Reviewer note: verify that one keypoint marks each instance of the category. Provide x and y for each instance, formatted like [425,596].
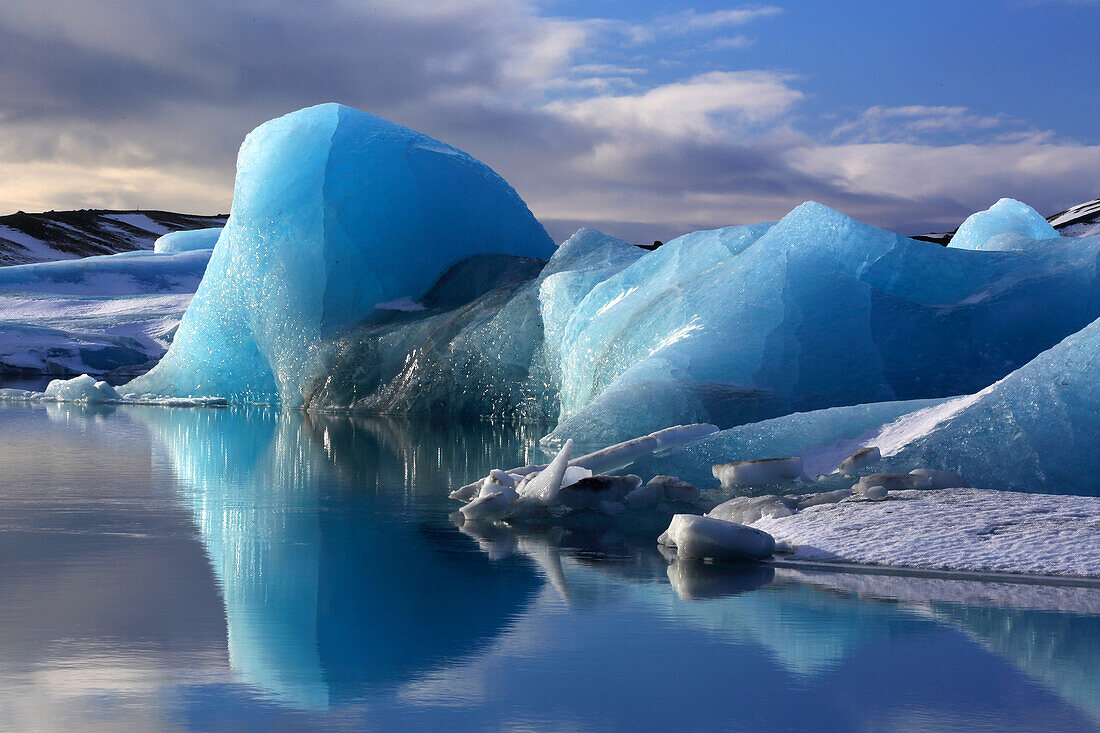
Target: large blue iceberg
[1036,430]
[367,267]
[730,326]
[334,212]
[818,310]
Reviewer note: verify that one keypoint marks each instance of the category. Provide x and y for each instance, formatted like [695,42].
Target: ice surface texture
[1038,429]
[818,310]
[478,347]
[334,210]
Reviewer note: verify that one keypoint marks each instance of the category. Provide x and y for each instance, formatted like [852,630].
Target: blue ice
[334,210]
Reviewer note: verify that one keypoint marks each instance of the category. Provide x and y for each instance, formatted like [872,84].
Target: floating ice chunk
[941,479]
[824,497]
[875,493]
[187,240]
[985,230]
[467,492]
[606,459]
[625,453]
[589,492]
[748,509]
[20,395]
[860,459]
[334,211]
[758,472]
[573,474]
[674,490]
[503,478]
[543,487]
[81,389]
[697,538]
[645,497]
[490,507]
[893,482]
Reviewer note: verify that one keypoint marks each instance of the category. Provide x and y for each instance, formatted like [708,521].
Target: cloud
[695,106]
[919,122]
[691,20]
[125,103]
[1047,174]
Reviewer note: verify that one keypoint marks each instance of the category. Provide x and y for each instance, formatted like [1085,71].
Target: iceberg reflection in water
[250,570]
[331,589]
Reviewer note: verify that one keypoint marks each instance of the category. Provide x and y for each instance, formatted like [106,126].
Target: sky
[643,119]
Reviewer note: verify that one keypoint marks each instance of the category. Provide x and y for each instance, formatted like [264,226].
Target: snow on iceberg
[334,210]
[1007,224]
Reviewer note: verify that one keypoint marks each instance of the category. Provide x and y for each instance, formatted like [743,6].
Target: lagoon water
[246,569]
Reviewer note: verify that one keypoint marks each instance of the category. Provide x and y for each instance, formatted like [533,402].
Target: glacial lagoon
[255,569]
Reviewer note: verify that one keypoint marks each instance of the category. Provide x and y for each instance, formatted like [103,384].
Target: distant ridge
[1080,220]
[64,235]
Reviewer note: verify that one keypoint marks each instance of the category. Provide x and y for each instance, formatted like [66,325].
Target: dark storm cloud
[114,59]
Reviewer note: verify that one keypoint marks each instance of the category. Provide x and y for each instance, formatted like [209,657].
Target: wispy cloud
[918,122]
[691,20]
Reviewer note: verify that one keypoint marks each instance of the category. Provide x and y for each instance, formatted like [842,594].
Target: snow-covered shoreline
[972,530]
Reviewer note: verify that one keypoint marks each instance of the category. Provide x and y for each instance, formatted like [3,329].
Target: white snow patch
[141,221]
[976,530]
[893,437]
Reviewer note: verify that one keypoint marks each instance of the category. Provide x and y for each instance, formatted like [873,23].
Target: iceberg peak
[1002,226]
[334,211]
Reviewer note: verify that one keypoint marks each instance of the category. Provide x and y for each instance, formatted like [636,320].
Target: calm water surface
[235,570]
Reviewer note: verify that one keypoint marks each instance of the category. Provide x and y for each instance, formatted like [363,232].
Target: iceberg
[479,345]
[368,267]
[818,310]
[1006,225]
[697,538]
[1038,429]
[1035,430]
[334,211]
[187,240]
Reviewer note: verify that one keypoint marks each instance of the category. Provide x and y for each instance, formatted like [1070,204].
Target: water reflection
[330,590]
[312,559]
